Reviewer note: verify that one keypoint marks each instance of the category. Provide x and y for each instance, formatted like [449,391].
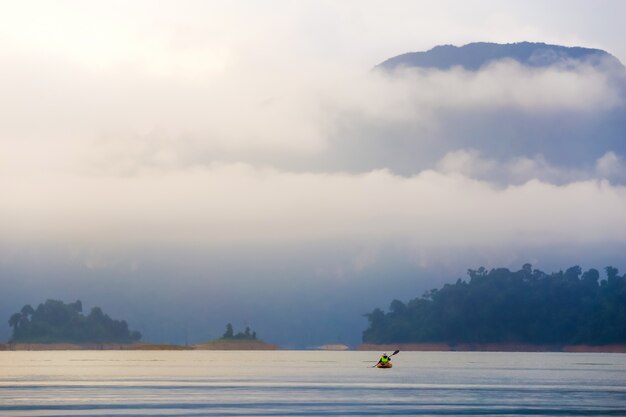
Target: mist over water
[205,383]
[189,164]
[298,297]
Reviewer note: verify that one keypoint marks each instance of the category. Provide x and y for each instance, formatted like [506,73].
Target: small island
[55,325]
[57,322]
[246,340]
[503,310]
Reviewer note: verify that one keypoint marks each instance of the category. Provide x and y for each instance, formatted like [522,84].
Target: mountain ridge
[473,56]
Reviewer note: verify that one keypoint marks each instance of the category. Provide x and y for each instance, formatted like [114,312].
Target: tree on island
[55,322]
[246,335]
[500,306]
[228,334]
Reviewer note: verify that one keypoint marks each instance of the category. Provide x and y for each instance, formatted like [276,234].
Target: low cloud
[611,166]
[473,164]
[62,116]
[577,86]
[241,204]
[257,156]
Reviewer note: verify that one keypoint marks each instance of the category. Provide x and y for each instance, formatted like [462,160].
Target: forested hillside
[54,321]
[501,306]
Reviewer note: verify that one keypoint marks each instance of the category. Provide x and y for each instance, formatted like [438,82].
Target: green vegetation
[500,306]
[57,322]
[230,335]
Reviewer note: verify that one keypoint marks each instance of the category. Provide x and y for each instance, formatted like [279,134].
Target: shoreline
[259,345]
[235,345]
[89,346]
[213,345]
[492,347]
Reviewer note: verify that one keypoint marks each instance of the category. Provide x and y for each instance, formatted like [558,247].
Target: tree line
[54,321]
[501,306]
[230,334]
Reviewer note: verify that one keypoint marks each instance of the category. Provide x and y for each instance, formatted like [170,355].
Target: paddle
[397,351]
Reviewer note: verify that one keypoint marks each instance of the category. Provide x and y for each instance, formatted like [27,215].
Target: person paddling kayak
[385,361]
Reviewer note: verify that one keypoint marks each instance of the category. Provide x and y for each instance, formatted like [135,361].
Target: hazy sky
[230,144]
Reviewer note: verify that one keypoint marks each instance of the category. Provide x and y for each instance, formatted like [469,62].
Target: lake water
[306,383]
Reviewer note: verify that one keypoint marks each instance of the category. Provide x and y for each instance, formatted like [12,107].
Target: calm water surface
[299,383]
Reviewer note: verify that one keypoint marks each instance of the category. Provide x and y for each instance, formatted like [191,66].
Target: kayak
[384,365]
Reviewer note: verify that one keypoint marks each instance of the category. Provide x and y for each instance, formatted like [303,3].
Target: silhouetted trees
[246,335]
[527,306]
[228,334]
[55,321]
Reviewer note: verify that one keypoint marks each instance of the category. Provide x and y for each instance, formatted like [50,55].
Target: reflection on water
[207,383]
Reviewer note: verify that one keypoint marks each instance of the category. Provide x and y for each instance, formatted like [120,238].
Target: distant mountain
[473,56]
